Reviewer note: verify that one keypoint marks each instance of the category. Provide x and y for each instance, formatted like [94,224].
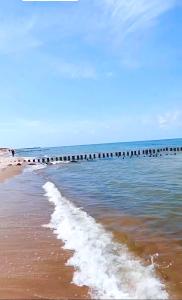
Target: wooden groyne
[152,152]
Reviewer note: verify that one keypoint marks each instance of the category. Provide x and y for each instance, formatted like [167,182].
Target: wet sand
[32,263]
[10,171]
[165,253]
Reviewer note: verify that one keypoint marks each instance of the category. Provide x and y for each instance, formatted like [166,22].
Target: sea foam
[106,267]
[36,167]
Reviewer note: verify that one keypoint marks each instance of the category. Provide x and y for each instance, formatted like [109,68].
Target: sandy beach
[32,263]
[9,171]
[9,166]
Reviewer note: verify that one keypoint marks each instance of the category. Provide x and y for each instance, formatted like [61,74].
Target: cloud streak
[91,20]
[132,15]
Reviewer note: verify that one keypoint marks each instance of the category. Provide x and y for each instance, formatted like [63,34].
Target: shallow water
[137,203]
[138,200]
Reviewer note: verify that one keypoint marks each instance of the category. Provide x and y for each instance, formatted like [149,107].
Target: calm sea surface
[139,200]
[53,151]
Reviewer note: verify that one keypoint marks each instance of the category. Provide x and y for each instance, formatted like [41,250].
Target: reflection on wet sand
[32,263]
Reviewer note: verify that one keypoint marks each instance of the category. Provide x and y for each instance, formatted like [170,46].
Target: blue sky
[90,71]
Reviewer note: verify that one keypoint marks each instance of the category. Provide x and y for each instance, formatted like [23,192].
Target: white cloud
[170,119]
[110,25]
[92,20]
[134,15]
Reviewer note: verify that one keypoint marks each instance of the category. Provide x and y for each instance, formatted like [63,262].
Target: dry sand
[9,166]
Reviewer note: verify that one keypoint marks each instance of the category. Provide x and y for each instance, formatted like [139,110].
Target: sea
[121,218]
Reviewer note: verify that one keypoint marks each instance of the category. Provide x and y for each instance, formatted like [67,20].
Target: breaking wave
[105,266]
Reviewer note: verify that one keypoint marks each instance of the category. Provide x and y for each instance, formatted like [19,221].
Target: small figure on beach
[13,152]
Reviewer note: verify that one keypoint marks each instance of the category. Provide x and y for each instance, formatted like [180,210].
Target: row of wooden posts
[128,153]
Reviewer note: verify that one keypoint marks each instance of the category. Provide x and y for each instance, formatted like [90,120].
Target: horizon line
[102,143]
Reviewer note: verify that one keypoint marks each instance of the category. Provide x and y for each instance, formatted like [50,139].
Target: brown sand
[9,171]
[33,266]
[32,263]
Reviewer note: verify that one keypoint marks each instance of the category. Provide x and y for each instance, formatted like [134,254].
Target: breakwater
[152,152]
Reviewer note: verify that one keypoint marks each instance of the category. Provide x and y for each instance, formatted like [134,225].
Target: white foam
[30,168]
[59,162]
[106,267]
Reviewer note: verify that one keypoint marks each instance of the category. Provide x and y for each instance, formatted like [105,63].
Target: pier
[152,152]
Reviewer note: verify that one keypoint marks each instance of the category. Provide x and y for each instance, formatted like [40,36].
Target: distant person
[13,152]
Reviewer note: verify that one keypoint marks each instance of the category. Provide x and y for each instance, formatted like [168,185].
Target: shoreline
[9,166]
[9,171]
[33,262]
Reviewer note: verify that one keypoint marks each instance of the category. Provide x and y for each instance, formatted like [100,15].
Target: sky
[90,71]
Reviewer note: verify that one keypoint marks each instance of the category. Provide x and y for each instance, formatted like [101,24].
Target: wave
[36,167]
[59,162]
[105,266]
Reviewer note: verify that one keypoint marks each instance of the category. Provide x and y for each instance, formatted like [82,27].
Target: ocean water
[110,147]
[121,218]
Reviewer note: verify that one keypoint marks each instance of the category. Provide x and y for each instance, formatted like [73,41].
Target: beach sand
[9,171]
[9,166]
[32,263]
